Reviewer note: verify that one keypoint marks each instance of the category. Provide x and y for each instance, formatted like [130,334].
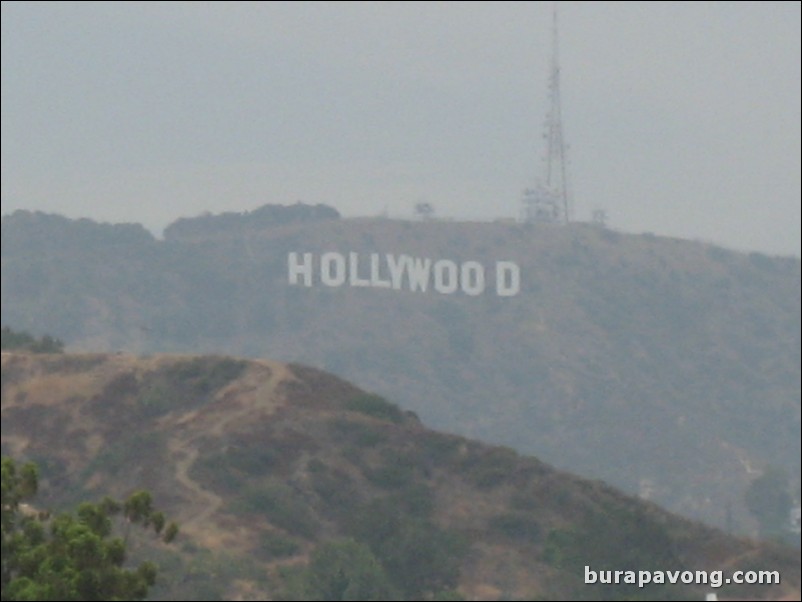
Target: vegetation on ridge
[23,341]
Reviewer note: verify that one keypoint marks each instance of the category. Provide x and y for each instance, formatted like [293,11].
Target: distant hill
[260,462]
[666,367]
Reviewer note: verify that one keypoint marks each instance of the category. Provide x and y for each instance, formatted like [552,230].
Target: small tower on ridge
[549,200]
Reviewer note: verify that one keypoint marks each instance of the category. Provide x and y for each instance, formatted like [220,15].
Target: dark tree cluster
[72,556]
[264,216]
[23,341]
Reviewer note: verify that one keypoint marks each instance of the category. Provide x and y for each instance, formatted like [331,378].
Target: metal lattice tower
[549,200]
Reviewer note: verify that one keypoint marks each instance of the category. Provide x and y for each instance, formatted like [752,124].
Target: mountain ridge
[666,367]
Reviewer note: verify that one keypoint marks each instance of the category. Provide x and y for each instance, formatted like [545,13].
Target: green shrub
[204,375]
[438,448]
[281,506]
[615,539]
[489,468]
[335,488]
[397,470]
[516,527]
[420,558]
[375,407]
[340,569]
[359,433]
[274,545]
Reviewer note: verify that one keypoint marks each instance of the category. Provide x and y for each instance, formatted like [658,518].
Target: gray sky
[682,118]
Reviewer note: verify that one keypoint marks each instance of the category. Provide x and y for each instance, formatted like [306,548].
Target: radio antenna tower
[549,200]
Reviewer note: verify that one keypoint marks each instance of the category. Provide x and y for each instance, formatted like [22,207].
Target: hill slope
[666,367]
[261,461]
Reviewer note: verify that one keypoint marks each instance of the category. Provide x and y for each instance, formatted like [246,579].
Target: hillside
[261,461]
[668,368]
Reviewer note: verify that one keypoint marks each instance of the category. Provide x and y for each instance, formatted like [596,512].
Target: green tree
[71,557]
[341,569]
[420,558]
[768,498]
[611,537]
[11,340]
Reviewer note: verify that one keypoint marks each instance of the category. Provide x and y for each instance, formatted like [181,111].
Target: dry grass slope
[260,461]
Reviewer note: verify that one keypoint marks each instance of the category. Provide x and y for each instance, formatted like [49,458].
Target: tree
[424,211]
[341,569]
[768,498]
[71,557]
[12,340]
[420,558]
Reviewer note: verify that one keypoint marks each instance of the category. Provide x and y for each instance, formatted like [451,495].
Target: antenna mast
[549,200]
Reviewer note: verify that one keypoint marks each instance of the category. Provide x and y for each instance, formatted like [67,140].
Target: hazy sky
[682,118]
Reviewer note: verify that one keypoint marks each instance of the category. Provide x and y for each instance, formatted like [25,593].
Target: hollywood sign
[402,272]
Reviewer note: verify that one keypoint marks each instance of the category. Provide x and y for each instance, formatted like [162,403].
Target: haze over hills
[261,462]
[662,366]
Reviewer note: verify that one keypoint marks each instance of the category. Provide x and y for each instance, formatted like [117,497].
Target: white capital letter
[296,269]
[508,278]
[353,271]
[418,273]
[472,278]
[445,277]
[375,279]
[331,277]
[396,267]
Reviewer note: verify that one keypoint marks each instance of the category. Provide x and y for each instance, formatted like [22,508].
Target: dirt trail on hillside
[186,455]
[249,398]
